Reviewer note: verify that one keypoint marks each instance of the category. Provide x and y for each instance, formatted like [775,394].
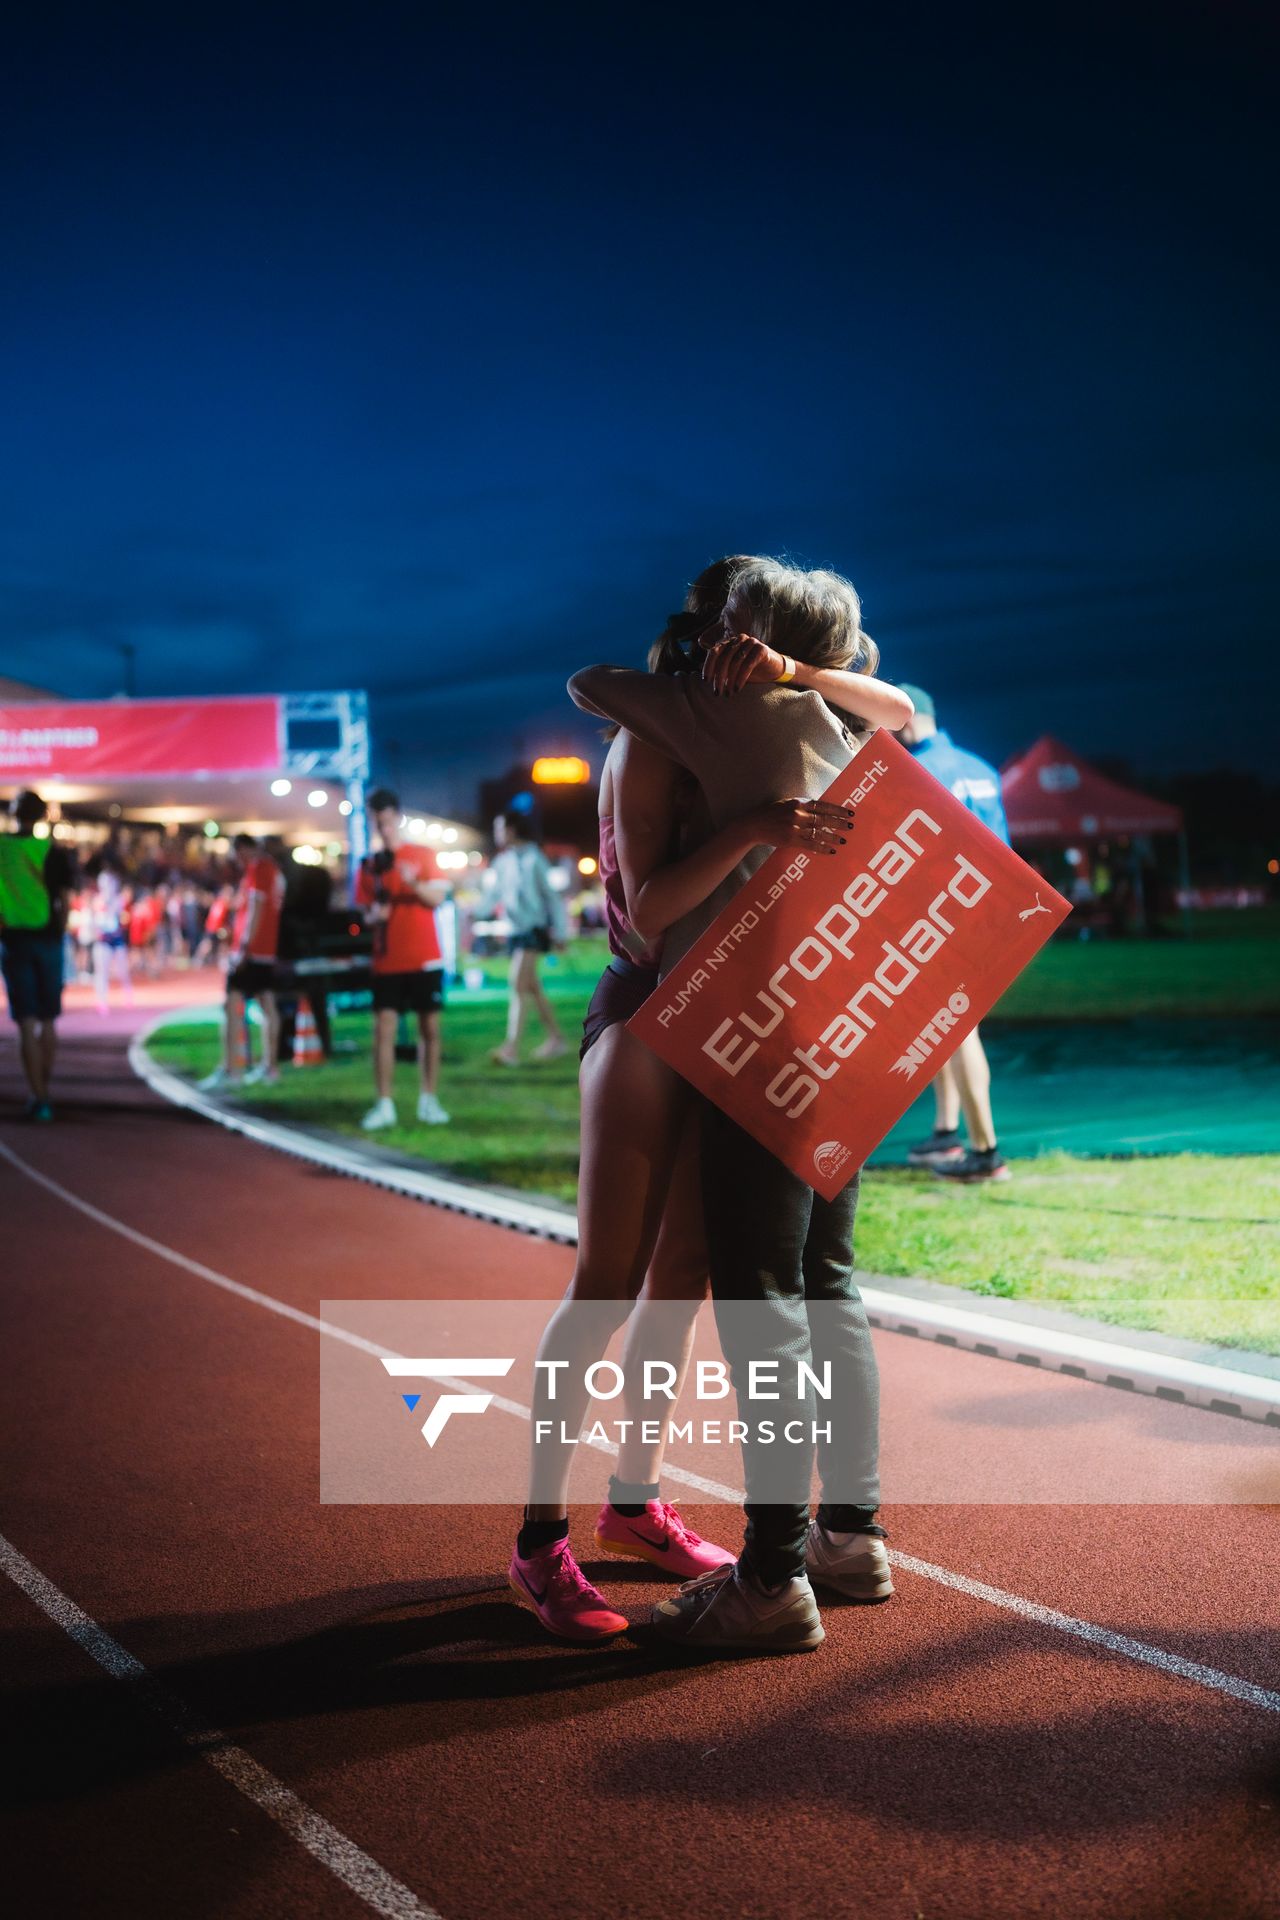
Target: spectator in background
[110,938]
[963,1085]
[215,926]
[399,887]
[190,918]
[80,930]
[141,919]
[520,877]
[35,877]
[251,962]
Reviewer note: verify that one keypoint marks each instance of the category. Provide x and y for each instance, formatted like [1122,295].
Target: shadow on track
[465,1648]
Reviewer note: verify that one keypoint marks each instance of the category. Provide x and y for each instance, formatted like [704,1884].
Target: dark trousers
[781,1261]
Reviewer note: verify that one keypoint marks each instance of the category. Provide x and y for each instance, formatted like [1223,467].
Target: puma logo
[1039,907]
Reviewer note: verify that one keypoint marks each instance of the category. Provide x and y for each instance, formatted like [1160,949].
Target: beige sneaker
[859,1570]
[728,1609]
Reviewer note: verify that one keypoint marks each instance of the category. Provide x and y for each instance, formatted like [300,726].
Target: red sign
[831,990]
[122,739]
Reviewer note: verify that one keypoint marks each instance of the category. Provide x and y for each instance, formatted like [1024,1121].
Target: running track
[397,1737]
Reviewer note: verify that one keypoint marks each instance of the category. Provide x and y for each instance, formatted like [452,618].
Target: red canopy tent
[1054,798]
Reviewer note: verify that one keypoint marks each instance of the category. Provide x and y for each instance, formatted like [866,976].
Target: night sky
[369,346]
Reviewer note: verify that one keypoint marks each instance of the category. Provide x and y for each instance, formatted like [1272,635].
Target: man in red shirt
[399,887]
[251,966]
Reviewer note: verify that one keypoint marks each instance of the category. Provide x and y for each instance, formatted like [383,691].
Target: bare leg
[946,1100]
[972,1074]
[384,1051]
[429,1050]
[270,1031]
[633,1110]
[661,1328]
[234,1055]
[516,992]
[48,1050]
[537,993]
[30,1045]
[102,976]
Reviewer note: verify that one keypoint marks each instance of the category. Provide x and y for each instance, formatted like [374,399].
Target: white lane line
[195,1267]
[1172,1663]
[1118,1643]
[347,1862]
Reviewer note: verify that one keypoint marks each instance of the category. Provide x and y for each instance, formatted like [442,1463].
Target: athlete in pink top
[624,942]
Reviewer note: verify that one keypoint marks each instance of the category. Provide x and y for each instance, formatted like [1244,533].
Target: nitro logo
[931,1035]
[830,1158]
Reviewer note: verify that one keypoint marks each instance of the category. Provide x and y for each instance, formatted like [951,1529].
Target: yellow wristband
[788,671]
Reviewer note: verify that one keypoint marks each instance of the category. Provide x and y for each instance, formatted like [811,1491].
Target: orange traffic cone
[307,1051]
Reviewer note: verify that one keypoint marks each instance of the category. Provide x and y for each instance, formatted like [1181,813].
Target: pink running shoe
[661,1537]
[554,1585]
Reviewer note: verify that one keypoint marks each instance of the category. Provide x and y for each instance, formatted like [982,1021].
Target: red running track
[398,1736]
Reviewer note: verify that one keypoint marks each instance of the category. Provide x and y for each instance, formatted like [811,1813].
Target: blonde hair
[815,617]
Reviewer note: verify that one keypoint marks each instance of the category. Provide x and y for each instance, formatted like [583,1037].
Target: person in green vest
[35,878]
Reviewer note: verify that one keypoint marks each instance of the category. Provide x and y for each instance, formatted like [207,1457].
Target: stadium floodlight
[317,797]
[281,787]
[560,770]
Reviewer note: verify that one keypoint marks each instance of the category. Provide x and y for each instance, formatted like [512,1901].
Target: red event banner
[120,739]
[829,991]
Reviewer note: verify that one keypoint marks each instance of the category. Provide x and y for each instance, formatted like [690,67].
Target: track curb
[1220,1390]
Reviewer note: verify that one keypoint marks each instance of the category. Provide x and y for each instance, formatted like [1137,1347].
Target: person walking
[963,1085]
[521,878]
[399,888]
[35,878]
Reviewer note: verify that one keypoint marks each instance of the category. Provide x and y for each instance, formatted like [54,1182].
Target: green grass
[1187,1245]
[1229,965]
[512,1127]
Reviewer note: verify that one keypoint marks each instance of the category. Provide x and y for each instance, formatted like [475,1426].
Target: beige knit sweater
[744,750]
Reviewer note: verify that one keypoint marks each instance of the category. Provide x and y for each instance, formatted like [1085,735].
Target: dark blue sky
[368,347]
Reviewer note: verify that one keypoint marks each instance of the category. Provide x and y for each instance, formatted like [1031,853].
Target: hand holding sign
[830,990]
